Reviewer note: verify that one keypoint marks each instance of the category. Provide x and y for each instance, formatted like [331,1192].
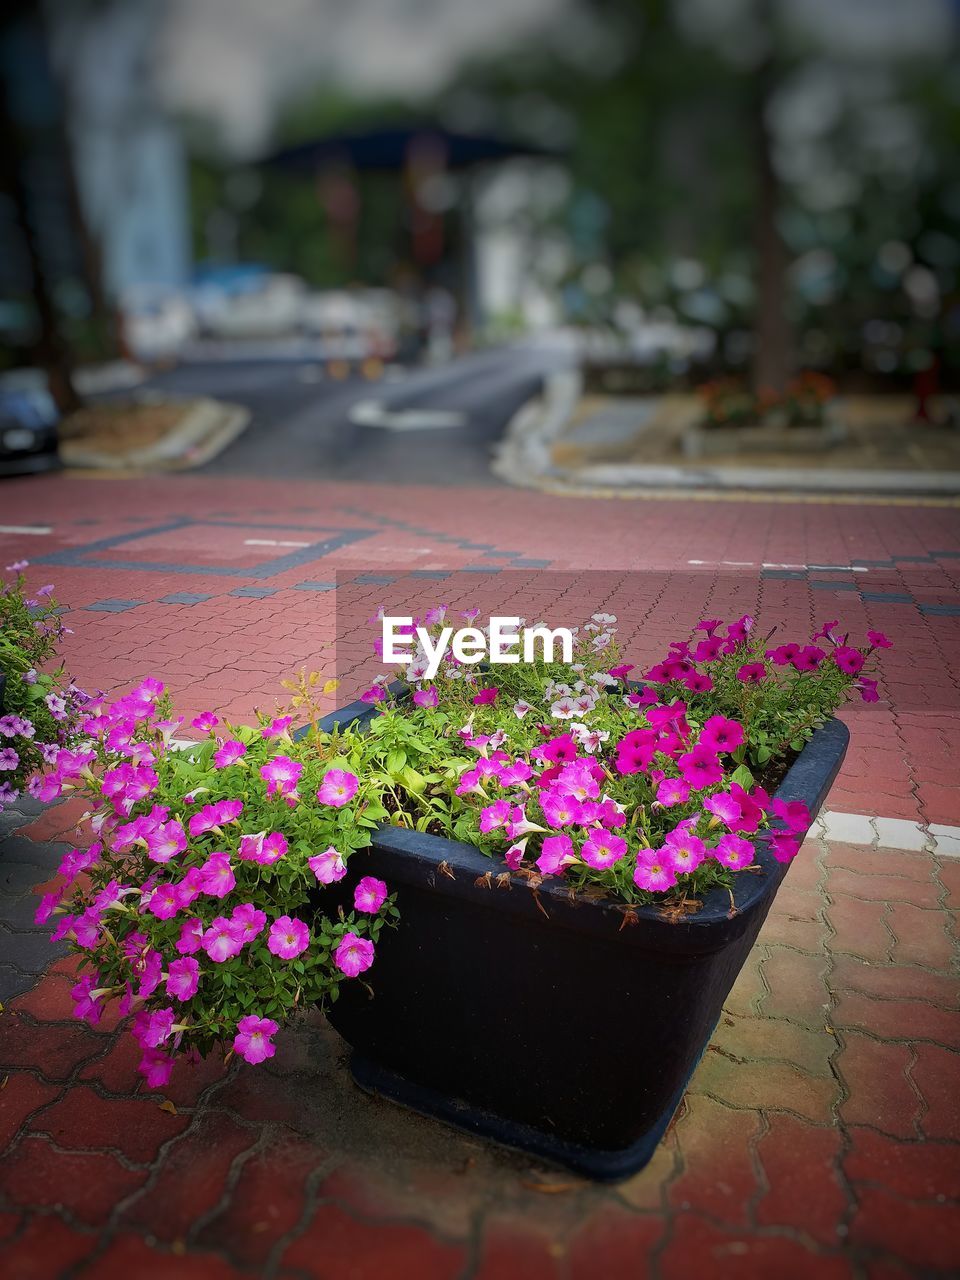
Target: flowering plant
[634,791]
[38,709]
[203,906]
[728,402]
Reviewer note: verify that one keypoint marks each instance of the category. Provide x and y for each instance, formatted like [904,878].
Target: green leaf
[742,777]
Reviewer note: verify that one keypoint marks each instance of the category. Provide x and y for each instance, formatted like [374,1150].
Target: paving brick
[898,1019]
[52,1049]
[87,1184]
[192,1176]
[922,1235]
[131,1256]
[895,981]
[776,1039]
[800,1162]
[698,1247]
[767,1086]
[516,1252]
[133,1126]
[20,1096]
[796,987]
[920,936]
[614,1239]
[885,862]
[267,1201]
[935,1073]
[879,1092]
[46,1247]
[858,928]
[402,1251]
[882,888]
[914,1170]
[718,1177]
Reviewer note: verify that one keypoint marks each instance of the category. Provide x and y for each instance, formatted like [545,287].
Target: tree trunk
[773,339]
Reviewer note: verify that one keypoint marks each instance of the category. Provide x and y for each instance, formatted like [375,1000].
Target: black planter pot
[545,1025]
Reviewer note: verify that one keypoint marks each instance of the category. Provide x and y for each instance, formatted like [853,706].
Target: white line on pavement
[272,542]
[890,833]
[26,528]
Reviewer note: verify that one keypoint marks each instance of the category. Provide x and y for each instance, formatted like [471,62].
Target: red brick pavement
[820,1135]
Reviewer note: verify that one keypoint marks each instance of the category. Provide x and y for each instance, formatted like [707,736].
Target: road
[433,426]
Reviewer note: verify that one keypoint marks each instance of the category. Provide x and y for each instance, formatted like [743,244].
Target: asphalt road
[434,425]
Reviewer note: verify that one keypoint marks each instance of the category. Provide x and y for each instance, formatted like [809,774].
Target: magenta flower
[338,787]
[229,753]
[752,672]
[722,735]
[222,940]
[252,1041]
[486,696]
[635,751]
[868,689]
[673,791]
[494,815]
[353,955]
[216,876]
[734,852]
[557,852]
[602,849]
[85,1007]
[149,966]
[683,850]
[560,810]
[165,902]
[288,937]
[700,767]
[263,848]
[328,866]
[426,697]
[249,921]
[206,720]
[183,978]
[725,807]
[277,727]
[166,841]
[157,1027]
[879,640]
[191,937]
[794,814]
[653,872]
[784,845]
[849,660]
[48,904]
[808,658]
[369,894]
[9,758]
[214,815]
[156,1067]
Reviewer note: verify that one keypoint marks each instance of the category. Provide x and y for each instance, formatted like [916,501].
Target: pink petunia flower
[733,852]
[557,852]
[494,815]
[560,809]
[369,895]
[426,697]
[277,728]
[157,1027]
[216,876]
[288,938]
[166,841]
[222,940]
[249,921]
[328,866]
[48,904]
[191,937]
[683,851]
[868,689]
[602,849]
[183,978]
[338,787]
[722,735]
[229,753]
[725,807]
[808,658]
[206,720]
[879,640]
[486,696]
[784,845]
[156,1067]
[653,871]
[354,955]
[752,672]
[252,1041]
[700,767]
[849,660]
[673,791]
[263,848]
[214,815]
[165,902]
[85,1007]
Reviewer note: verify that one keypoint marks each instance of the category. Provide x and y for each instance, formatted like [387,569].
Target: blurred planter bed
[736,419]
[760,437]
[149,433]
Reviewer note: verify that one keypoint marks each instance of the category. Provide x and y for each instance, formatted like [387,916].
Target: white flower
[563,709]
[521,708]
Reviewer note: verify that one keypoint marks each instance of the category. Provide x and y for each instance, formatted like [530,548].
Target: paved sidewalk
[820,1135]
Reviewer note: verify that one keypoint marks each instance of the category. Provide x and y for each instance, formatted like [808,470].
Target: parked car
[28,431]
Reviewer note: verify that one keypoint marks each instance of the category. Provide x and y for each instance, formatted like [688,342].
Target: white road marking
[272,542]
[372,413]
[890,833]
[772,564]
[38,529]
